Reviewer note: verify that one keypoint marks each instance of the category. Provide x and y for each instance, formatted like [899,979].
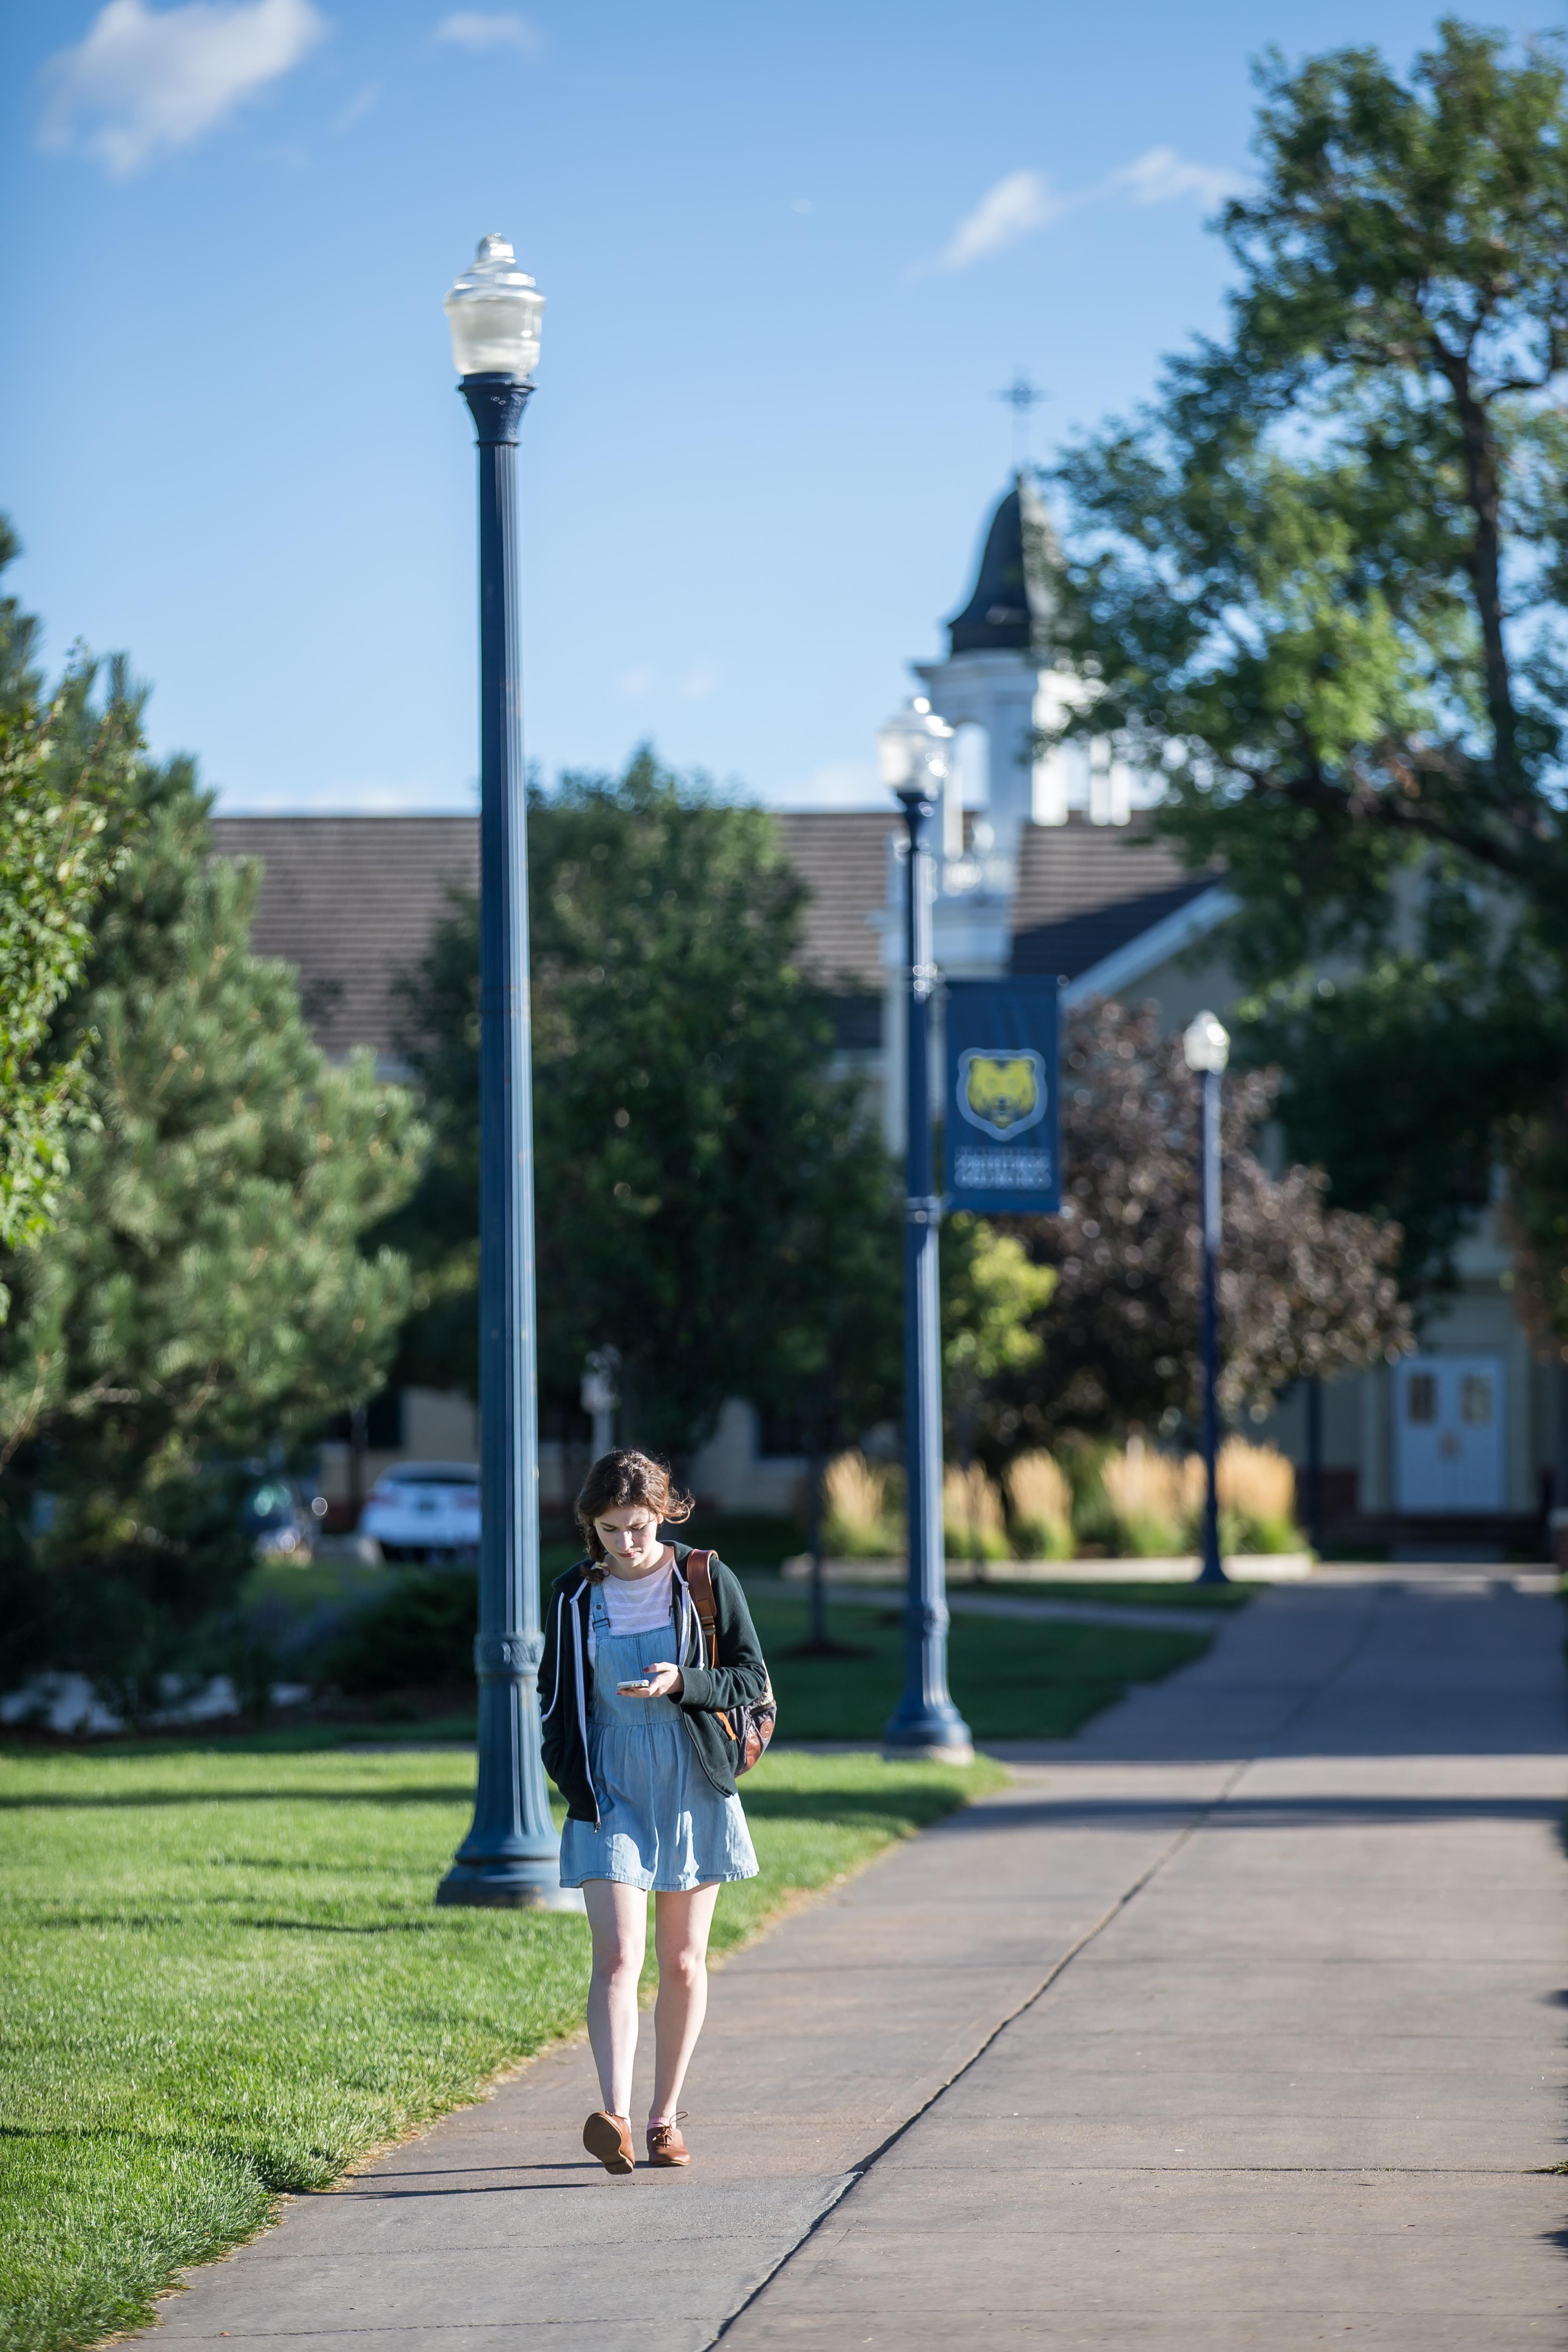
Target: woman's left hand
[662,1681]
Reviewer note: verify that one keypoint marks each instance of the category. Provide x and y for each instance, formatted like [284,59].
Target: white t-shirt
[636,1604]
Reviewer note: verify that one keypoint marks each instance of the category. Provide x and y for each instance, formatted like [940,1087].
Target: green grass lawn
[225,1979]
[1011,1678]
[1232,1594]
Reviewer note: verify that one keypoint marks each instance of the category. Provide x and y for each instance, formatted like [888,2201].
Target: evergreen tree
[204,1297]
[1325,579]
[64,771]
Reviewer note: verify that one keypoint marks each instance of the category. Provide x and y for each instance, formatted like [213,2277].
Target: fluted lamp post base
[936,1735]
[510,1859]
[508,1886]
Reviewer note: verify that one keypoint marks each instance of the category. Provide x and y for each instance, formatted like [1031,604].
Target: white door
[1448,1433]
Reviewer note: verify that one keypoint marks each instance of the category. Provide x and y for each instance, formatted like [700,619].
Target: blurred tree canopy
[1304,1290]
[204,1296]
[1325,581]
[712,1200]
[64,771]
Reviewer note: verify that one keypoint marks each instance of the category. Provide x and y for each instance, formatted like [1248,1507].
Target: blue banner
[999,1109]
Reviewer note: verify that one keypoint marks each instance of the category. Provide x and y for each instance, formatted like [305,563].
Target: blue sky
[790,255]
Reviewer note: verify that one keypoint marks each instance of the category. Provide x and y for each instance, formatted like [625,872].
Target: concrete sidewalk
[1233,2024]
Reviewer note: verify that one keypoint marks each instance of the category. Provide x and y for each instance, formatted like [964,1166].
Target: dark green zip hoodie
[736,1676]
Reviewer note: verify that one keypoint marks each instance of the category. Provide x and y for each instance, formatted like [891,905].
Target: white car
[425,1510]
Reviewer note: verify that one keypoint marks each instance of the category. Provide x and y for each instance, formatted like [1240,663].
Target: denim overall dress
[662,1824]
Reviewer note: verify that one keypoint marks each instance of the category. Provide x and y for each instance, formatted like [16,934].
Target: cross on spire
[1021,397]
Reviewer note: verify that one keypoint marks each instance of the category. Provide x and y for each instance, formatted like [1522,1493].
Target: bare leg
[619,1918]
[680,1938]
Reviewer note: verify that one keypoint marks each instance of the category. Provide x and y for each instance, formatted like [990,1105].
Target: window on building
[1421,1397]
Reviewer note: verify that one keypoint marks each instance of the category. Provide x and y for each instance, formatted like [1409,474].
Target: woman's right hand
[662,1681]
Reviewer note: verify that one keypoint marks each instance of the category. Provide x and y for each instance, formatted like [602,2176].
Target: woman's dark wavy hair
[622,1478]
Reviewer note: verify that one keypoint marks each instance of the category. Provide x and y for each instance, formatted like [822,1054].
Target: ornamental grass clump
[1039,1500]
[972,1524]
[860,1519]
[1147,1492]
[1258,1496]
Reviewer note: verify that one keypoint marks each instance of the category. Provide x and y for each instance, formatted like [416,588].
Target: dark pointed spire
[1011,608]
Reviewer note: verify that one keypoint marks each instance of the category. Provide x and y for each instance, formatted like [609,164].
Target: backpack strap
[700,1584]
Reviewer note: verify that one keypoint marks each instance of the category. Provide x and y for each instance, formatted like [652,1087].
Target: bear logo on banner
[1002,1091]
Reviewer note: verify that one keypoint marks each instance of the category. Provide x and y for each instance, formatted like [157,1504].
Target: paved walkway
[1233,2024]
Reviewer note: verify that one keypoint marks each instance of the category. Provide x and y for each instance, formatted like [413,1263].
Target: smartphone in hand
[636,1690]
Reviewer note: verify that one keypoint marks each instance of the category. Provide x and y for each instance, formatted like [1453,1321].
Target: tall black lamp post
[510,1856]
[1206,1045]
[912,748]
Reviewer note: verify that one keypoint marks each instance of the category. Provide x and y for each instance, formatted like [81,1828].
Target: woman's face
[631,1540]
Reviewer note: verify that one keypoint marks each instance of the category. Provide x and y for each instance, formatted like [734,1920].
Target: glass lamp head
[912,749]
[1205,1042]
[494,311]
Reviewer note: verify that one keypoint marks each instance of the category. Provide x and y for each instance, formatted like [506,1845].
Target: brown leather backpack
[749,1728]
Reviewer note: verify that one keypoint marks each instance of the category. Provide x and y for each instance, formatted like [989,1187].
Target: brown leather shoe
[664,2144]
[609,2138]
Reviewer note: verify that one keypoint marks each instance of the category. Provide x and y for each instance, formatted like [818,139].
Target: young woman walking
[633,1698]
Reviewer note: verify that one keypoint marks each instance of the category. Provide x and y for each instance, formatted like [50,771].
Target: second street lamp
[511,1855]
[912,748]
[1207,1046]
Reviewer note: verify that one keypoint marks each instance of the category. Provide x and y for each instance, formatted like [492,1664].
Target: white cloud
[351,796]
[470,29]
[144,80]
[1024,201]
[1016,206]
[358,106]
[841,784]
[1163,177]
[694,683]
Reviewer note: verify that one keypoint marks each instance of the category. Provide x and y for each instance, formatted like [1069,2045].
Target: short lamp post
[913,752]
[1206,1045]
[510,1856]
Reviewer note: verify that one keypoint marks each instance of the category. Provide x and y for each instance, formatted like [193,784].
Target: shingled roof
[351,901]
[842,855]
[1085,891]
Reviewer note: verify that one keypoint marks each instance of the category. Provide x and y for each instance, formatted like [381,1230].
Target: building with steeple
[1028,824]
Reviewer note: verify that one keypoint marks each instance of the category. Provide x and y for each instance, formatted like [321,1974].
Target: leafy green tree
[203,1296]
[1325,579]
[64,772]
[713,1201]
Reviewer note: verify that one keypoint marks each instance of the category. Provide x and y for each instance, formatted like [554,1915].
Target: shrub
[861,1516]
[1258,1495]
[1040,1501]
[1147,1494]
[973,1525]
[417,1634]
